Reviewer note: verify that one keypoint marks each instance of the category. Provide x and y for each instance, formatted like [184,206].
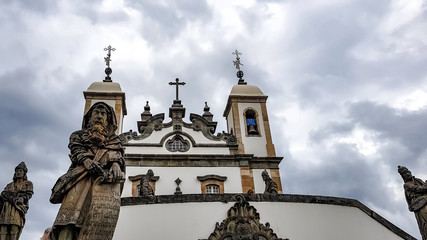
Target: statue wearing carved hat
[14,204]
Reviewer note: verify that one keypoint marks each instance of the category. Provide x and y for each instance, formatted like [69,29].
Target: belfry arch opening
[251,121]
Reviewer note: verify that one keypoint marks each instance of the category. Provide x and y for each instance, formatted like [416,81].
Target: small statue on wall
[416,197]
[270,185]
[14,203]
[145,189]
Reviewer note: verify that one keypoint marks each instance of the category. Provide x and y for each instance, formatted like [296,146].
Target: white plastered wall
[254,144]
[190,185]
[295,221]
[230,122]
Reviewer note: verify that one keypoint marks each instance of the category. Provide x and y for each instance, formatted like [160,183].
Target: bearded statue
[89,192]
[14,204]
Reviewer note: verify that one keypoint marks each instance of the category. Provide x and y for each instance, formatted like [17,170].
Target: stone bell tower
[247,118]
[109,92]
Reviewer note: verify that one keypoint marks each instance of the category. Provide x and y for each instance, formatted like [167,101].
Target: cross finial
[237,62]
[107,60]
[177,83]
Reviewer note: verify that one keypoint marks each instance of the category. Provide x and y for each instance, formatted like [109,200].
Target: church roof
[246,90]
[104,87]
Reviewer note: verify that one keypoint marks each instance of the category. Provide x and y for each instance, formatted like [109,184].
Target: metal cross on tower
[177,83]
[108,58]
[237,62]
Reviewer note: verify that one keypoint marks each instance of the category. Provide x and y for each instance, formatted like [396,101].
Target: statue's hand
[93,167]
[116,172]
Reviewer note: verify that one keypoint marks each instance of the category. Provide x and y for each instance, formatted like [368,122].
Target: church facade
[186,181]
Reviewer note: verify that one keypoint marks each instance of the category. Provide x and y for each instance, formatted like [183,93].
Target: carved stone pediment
[153,123]
[242,223]
[199,123]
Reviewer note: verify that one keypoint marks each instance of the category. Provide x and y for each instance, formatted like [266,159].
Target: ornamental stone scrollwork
[145,128]
[200,123]
[154,123]
[242,223]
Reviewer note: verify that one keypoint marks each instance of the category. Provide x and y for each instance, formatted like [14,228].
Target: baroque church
[186,181]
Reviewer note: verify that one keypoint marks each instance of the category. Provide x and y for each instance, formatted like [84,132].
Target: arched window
[177,144]
[251,122]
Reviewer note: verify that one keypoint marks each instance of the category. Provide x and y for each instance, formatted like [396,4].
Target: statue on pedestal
[416,197]
[90,190]
[270,185]
[145,188]
[14,203]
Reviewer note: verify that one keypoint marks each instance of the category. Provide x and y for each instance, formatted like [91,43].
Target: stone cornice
[202,160]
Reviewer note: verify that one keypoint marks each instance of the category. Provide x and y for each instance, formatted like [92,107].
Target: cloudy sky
[346,80]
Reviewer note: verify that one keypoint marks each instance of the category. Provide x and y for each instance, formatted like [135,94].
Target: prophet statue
[416,197]
[14,204]
[145,188]
[270,185]
[89,192]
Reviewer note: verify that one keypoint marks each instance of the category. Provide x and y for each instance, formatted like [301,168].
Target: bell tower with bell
[247,118]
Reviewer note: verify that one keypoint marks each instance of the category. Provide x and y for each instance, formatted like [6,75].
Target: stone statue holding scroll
[270,185]
[416,197]
[14,202]
[90,190]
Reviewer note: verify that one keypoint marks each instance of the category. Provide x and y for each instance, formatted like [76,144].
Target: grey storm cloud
[331,69]
[406,127]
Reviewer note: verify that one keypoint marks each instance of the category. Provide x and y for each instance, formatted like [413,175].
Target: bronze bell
[252,130]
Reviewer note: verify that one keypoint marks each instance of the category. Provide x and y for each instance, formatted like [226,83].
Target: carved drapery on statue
[90,190]
[14,204]
[242,223]
[416,197]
